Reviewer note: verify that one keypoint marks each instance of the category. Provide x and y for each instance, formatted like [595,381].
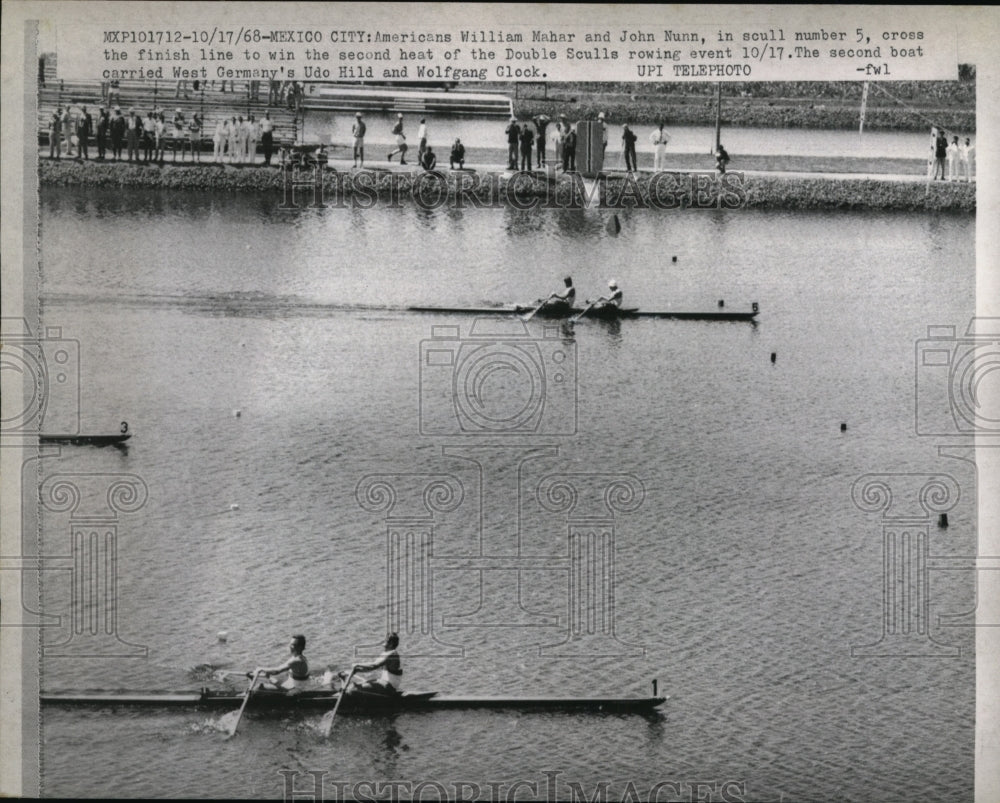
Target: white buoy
[223,636]
[234,506]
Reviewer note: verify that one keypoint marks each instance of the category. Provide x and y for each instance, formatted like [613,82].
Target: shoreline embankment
[666,190]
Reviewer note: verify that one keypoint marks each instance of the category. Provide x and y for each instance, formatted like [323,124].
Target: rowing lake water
[266,365]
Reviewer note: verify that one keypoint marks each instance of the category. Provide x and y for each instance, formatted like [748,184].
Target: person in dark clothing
[117,133]
[721,159]
[527,145]
[84,129]
[628,140]
[457,155]
[541,123]
[940,154]
[569,151]
[428,161]
[103,128]
[513,136]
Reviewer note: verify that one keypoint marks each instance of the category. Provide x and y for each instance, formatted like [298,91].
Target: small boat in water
[601,313]
[89,440]
[354,702]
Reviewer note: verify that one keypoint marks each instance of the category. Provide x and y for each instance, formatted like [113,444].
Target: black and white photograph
[502,402]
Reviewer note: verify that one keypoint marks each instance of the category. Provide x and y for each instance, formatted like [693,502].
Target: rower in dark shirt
[562,299]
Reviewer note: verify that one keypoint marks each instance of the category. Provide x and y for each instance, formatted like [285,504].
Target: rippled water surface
[266,365]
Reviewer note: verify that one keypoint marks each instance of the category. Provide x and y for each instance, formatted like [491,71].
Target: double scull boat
[601,313]
[355,702]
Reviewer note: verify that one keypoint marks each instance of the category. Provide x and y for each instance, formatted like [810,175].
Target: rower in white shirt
[389,667]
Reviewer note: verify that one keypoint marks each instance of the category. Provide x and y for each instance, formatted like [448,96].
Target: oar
[327,726]
[586,309]
[222,675]
[531,314]
[246,699]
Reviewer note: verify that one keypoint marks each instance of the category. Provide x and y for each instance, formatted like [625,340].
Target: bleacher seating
[209,101]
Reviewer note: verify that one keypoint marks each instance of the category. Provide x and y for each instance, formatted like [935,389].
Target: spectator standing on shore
[358,131]
[628,141]
[117,133]
[160,132]
[273,93]
[569,150]
[457,155]
[952,157]
[149,137]
[218,139]
[428,161]
[966,153]
[558,136]
[67,124]
[194,137]
[55,134]
[940,155]
[84,128]
[527,145]
[931,157]
[133,131]
[397,132]
[179,132]
[243,146]
[513,132]
[267,137]
[604,132]
[253,134]
[659,138]
[541,122]
[232,143]
[721,159]
[103,128]
[421,140]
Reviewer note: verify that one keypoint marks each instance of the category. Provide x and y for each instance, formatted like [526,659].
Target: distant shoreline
[904,106]
[752,190]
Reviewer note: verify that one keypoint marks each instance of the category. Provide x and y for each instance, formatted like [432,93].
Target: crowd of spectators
[146,139]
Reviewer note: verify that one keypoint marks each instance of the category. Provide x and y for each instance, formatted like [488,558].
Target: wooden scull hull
[356,702]
[84,440]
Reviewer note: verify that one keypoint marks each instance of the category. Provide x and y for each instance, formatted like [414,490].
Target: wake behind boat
[600,313]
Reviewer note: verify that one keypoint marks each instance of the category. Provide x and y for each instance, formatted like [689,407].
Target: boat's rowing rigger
[355,702]
[603,313]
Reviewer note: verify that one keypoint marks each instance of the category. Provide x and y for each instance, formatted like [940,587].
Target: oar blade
[326,725]
[231,732]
